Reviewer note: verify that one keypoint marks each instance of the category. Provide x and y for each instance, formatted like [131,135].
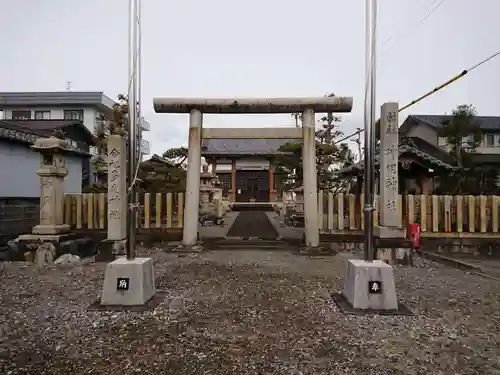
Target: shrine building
[244,167]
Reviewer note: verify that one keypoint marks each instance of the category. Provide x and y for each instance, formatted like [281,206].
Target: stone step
[264,245]
[261,206]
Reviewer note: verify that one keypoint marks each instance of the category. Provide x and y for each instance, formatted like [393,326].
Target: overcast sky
[226,48]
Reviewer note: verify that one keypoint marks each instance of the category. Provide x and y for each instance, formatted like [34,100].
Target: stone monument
[396,250]
[52,232]
[390,226]
[116,240]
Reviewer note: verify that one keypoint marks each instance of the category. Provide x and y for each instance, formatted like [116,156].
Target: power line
[433,91]
[391,37]
[420,23]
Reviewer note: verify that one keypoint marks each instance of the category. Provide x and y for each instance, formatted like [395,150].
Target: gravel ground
[247,312]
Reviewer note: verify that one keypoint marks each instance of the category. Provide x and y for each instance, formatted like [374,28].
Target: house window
[21,115]
[73,114]
[42,115]
[490,140]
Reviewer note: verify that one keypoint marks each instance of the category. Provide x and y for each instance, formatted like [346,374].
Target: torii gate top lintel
[253,105]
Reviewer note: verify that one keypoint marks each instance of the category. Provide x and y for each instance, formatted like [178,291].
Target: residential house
[90,107]
[426,127]
[20,184]
[19,162]
[423,154]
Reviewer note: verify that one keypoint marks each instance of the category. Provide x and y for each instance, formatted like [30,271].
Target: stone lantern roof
[52,145]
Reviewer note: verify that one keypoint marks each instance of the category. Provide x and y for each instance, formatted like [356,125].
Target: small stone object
[28,256]
[45,254]
[67,259]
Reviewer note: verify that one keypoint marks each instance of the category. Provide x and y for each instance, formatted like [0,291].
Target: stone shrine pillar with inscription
[389,224]
[52,172]
[116,240]
[117,188]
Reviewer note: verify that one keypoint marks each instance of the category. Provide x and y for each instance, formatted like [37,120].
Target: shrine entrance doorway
[252,186]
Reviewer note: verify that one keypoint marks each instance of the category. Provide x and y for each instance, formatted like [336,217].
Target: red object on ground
[413,234]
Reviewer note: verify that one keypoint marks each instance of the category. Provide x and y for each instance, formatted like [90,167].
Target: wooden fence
[156,211]
[434,213]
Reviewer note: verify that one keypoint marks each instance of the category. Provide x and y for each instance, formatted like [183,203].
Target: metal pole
[139,81]
[132,121]
[369,152]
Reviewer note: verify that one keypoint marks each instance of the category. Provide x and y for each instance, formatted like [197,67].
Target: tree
[177,155]
[158,175]
[117,123]
[155,175]
[330,158]
[463,135]
[461,131]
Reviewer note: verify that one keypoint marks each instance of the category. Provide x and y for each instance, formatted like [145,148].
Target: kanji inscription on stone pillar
[389,182]
[117,188]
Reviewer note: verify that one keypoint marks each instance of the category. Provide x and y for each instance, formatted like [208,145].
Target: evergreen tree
[330,157]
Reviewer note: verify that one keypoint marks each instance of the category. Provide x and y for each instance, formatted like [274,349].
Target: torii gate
[197,106]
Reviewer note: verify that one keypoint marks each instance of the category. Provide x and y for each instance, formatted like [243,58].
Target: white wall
[252,164]
[89,114]
[19,163]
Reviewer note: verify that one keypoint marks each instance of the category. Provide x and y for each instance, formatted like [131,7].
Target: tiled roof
[415,146]
[491,123]
[40,127]
[158,159]
[243,146]
[28,131]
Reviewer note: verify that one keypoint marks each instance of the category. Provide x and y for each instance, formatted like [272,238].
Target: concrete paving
[253,224]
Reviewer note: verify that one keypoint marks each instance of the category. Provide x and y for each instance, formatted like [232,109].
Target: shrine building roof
[416,147]
[246,147]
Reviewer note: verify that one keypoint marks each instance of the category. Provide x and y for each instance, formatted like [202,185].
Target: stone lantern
[217,188]
[299,199]
[52,172]
[205,189]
